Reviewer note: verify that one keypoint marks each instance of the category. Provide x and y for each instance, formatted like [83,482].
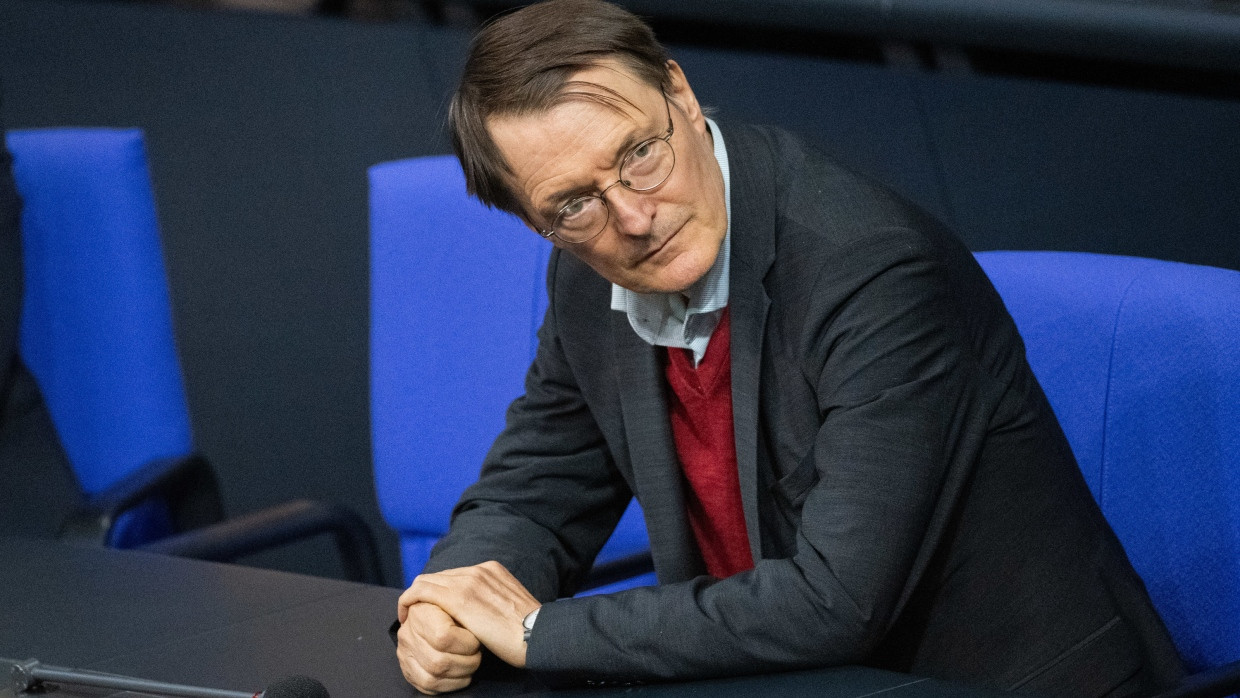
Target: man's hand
[485,600]
[436,655]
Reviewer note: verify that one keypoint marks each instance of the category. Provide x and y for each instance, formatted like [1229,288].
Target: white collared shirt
[685,320]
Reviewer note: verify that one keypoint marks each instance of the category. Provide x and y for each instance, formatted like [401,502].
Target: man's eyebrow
[557,199]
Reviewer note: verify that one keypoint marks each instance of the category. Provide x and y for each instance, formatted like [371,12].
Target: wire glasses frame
[646,166]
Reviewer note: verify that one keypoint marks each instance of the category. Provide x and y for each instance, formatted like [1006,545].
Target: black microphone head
[296,687]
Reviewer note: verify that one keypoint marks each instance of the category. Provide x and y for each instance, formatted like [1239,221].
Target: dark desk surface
[240,628]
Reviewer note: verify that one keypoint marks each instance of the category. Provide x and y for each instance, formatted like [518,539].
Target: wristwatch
[528,623]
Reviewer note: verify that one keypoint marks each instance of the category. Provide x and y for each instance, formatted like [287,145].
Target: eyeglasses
[646,166]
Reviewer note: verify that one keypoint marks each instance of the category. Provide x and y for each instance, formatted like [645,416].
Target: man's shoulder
[800,170]
[782,175]
[749,143]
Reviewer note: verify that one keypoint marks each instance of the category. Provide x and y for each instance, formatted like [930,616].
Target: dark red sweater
[701,415]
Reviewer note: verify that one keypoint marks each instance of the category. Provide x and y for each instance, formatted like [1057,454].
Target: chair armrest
[1212,683]
[186,483]
[283,523]
[617,570]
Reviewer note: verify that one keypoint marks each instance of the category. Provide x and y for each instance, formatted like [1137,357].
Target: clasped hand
[447,617]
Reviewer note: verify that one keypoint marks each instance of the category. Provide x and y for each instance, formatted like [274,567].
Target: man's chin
[672,278]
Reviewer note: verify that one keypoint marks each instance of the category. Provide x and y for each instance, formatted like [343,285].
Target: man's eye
[640,151]
[573,208]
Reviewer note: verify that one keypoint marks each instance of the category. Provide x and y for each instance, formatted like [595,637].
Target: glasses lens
[581,219]
[648,165]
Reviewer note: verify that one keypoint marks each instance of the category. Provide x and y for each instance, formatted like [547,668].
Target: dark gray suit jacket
[910,499]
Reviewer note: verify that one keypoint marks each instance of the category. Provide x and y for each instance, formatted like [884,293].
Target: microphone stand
[30,674]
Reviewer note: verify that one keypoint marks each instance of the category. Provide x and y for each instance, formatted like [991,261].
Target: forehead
[578,142]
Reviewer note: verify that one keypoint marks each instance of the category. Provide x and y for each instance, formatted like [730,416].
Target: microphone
[30,675]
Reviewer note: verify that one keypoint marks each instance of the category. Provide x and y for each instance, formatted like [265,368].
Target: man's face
[662,240]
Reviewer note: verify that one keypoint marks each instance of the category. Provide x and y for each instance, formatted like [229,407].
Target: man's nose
[632,213]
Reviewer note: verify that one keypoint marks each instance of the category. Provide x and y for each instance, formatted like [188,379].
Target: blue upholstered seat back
[458,292]
[96,329]
[1141,360]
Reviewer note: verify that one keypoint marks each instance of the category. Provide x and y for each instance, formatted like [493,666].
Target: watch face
[527,623]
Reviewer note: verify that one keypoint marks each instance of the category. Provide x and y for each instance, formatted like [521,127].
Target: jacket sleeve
[901,404]
[549,494]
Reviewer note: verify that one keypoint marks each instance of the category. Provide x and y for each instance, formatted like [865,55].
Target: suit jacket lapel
[753,252]
[656,469]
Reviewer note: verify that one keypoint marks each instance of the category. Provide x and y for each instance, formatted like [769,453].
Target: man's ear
[682,96]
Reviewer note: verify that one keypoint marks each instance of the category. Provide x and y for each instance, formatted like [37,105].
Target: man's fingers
[453,640]
[407,599]
[457,591]
[431,626]
[418,591]
[431,685]
[427,663]
[452,666]
[434,665]
[436,656]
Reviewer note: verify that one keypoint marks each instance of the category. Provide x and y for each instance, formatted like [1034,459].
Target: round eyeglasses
[646,166]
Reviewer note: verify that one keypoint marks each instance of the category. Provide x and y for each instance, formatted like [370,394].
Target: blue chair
[1140,359]
[457,294]
[96,334]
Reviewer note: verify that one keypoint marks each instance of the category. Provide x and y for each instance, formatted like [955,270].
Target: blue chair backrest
[457,293]
[96,328]
[1140,359]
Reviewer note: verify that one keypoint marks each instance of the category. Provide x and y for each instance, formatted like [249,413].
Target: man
[809,385]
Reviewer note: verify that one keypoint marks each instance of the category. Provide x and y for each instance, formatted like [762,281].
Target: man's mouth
[660,247]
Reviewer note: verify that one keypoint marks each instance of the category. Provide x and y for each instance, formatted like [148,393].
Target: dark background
[260,129]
